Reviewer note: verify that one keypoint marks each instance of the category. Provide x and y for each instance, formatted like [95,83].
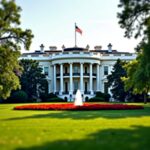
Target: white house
[75,68]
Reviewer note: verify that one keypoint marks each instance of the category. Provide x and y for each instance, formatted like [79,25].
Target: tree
[11,39]
[33,81]
[135,19]
[115,82]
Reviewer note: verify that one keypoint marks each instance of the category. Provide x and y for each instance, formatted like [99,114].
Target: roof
[74,49]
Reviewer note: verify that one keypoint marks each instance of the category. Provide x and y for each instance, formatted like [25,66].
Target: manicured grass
[74,130]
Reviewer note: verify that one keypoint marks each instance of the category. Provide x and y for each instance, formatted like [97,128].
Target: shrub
[47,97]
[100,97]
[19,96]
[66,99]
[32,100]
[86,98]
[107,97]
[99,94]
[56,99]
[97,99]
[51,95]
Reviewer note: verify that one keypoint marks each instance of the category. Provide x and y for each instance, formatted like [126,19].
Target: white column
[49,87]
[101,77]
[54,78]
[97,79]
[61,79]
[81,78]
[71,80]
[91,79]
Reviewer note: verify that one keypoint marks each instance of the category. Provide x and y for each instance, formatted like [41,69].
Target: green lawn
[74,130]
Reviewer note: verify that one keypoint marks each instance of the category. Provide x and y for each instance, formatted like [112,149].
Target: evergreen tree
[33,81]
[115,81]
[11,39]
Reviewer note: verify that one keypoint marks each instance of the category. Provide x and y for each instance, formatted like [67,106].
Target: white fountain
[78,99]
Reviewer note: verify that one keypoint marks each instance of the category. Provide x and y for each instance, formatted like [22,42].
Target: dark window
[46,71]
[75,85]
[105,87]
[85,86]
[85,69]
[76,69]
[105,70]
[66,70]
[66,87]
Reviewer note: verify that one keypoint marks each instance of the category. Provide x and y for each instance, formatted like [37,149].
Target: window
[66,70]
[76,69]
[105,87]
[86,87]
[46,71]
[75,85]
[86,70]
[105,70]
[66,87]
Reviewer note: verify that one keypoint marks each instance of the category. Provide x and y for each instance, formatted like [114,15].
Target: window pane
[76,69]
[75,85]
[105,70]
[46,71]
[105,87]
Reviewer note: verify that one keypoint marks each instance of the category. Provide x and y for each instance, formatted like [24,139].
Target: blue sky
[52,23]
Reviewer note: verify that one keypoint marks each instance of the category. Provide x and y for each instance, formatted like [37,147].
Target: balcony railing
[57,74]
[66,92]
[86,92]
[66,74]
[86,74]
[76,74]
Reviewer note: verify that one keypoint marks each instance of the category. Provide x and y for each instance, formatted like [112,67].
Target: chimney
[41,47]
[87,47]
[98,47]
[63,47]
[109,48]
[53,48]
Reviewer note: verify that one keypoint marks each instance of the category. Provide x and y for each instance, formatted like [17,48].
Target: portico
[70,76]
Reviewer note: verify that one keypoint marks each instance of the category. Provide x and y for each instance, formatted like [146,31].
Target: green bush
[55,99]
[100,97]
[99,94]
[32,100]
[107,97]
[96,99]
[19,97]
[47,97]
[51,98]
[51,95]
[86,98]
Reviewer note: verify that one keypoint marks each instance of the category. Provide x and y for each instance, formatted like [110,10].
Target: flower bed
[70,106]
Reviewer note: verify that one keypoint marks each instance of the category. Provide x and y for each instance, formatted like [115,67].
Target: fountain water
[78,99]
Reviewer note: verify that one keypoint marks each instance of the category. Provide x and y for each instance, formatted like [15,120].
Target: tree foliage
[115,82]
[12,36]
[33,81]
[135,19]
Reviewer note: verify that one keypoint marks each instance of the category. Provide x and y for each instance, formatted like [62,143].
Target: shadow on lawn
[125,139]
[108,114]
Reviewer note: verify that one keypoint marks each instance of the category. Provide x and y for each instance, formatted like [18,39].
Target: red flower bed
[70,106]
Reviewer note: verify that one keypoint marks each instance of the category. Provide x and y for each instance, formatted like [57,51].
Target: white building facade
[70,69]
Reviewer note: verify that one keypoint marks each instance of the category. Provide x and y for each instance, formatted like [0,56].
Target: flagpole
[75,36]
